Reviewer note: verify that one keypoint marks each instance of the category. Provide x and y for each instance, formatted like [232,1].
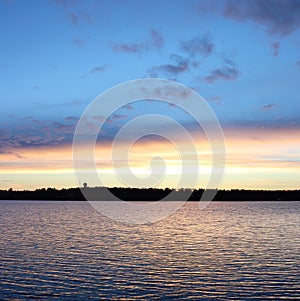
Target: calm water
[228,251]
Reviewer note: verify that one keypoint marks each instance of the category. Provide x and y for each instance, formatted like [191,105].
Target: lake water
[228,251]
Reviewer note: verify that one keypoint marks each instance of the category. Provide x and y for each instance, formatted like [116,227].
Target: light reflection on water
[228,251]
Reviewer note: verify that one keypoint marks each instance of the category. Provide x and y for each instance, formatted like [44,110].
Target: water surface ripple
[228,251]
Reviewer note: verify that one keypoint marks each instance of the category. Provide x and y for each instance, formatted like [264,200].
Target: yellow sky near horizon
[255,159]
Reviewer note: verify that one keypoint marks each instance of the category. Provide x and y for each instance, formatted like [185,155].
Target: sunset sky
[242,57]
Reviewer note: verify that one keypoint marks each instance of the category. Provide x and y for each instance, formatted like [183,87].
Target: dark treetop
[149,194]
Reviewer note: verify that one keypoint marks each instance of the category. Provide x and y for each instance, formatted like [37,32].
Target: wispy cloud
[64,3]
[276,16]
[225,73]
[157,40]
[165,91]
[75,102]
[179,65]
[130,47]
[198,46]
[99,69]
[13,153]
[154,42]
[194,52]
[28,132]
[78,42]
[215,99]
[117,117]
[298,64]
[128,107]
[73,18]
[275,47]
[269,106]
[71,118]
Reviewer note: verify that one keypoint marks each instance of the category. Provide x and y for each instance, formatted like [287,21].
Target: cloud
[63,128]
[130,48]
[157,40]
[30,119]
[80,17]
[73,18]
[225,73]
[279,17]
[180,65]
[298,64]
[75,102]
[118,117]
[62,2]
[15,154]
[128,107]
[203,46]
[172,105]
[154,42]
[78,42]
[165,91]
[98,118]
[112,120]
[85,17]
[98,69]
[28,132]
[71,118]
[275,46]
[269,106]
[215,99]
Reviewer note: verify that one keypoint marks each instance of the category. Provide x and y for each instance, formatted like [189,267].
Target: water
[228,251]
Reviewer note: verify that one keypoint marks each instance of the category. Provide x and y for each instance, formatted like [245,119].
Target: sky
[242,57]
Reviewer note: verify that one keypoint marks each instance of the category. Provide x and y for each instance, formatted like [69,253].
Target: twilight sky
[243,57]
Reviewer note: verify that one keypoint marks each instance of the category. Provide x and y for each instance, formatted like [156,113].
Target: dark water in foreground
[228,251]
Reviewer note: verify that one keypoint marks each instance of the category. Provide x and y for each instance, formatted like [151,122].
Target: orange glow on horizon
[255,159]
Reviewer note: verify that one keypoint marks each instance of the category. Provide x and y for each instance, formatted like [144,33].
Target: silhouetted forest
[149,194]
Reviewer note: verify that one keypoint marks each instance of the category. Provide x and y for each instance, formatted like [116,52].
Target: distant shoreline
[150,194]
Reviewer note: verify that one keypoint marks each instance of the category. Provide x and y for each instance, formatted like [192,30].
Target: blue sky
[243,57]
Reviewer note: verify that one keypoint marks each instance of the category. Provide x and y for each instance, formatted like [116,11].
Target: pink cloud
[154,42]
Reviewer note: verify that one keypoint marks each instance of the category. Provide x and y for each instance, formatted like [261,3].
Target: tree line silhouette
[149,194]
